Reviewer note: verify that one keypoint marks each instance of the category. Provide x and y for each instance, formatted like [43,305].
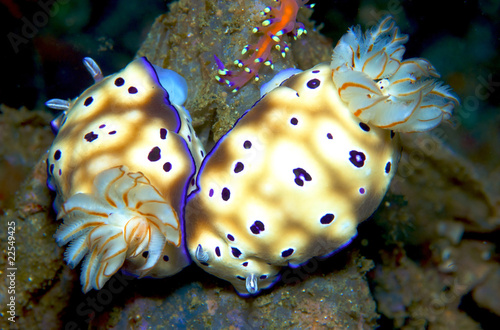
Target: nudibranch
[382,89]
[302,168]
[280,21]
[122,163]
[290,181]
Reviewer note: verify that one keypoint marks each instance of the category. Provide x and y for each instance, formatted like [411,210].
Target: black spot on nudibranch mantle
[388,167]
[57,154]
[132,90]
[300,176]
[167,167]
[165,258]
[154,154]
[217,251]
[327,219]
[236,252]
[163,133]
[357,158]
[119,82]
[230,237]
[247,144]
[364,127]
[287,253]
[313,83]
[257,227]
[238,167]
[91,136]
[225,194]
[145,254]
[294,121]
[88,101]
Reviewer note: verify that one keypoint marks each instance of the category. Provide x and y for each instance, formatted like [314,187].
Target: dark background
[48,64]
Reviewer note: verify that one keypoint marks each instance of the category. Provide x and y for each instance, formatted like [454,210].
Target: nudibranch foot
[381,88]
[281,20]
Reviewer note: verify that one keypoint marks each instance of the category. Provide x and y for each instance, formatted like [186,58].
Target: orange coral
[281,20]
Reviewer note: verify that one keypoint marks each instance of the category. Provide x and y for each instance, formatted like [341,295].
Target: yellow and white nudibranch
[381,89]
[122,163]
[310,160]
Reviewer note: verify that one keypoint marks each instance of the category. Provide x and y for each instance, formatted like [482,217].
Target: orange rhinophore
[281,20]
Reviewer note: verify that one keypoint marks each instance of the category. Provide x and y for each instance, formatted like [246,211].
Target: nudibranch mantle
[289,182]
[382,89]
[123,160]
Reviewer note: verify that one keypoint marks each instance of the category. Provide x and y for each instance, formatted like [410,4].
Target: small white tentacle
[251,284]
[201,255]
[58,104]
[93,69]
